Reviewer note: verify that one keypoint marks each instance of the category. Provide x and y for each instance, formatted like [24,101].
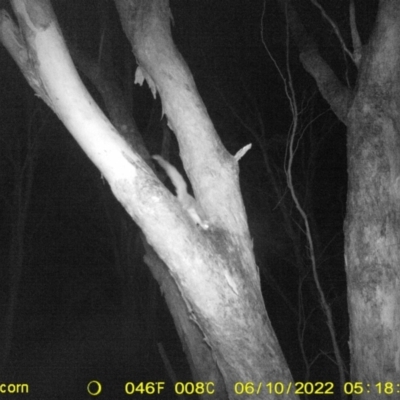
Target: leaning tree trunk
[214,268]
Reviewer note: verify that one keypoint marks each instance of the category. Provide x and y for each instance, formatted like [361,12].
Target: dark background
[87,306]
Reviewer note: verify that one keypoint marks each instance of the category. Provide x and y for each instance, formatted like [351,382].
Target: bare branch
[334,92]
[291,152]
[355,37]
[335,29]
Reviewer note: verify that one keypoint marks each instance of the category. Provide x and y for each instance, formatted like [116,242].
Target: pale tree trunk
[199,356]
[213,269]
[372,234]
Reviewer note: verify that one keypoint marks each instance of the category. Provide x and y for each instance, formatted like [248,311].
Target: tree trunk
[214,269]
[372,235]
[373,214]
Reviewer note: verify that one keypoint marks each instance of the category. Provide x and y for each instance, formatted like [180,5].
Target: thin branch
[335,29]
[291,151]
[331,88]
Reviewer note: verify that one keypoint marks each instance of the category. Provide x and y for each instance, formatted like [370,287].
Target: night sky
[86,305]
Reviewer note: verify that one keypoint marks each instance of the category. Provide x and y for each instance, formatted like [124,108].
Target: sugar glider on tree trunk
[187,201]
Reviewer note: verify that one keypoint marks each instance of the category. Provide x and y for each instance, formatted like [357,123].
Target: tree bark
[214,269]
[373,215]
[372,234]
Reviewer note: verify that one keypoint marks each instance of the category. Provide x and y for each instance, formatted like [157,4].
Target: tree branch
[335,29]
[355,37]
[334,92]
